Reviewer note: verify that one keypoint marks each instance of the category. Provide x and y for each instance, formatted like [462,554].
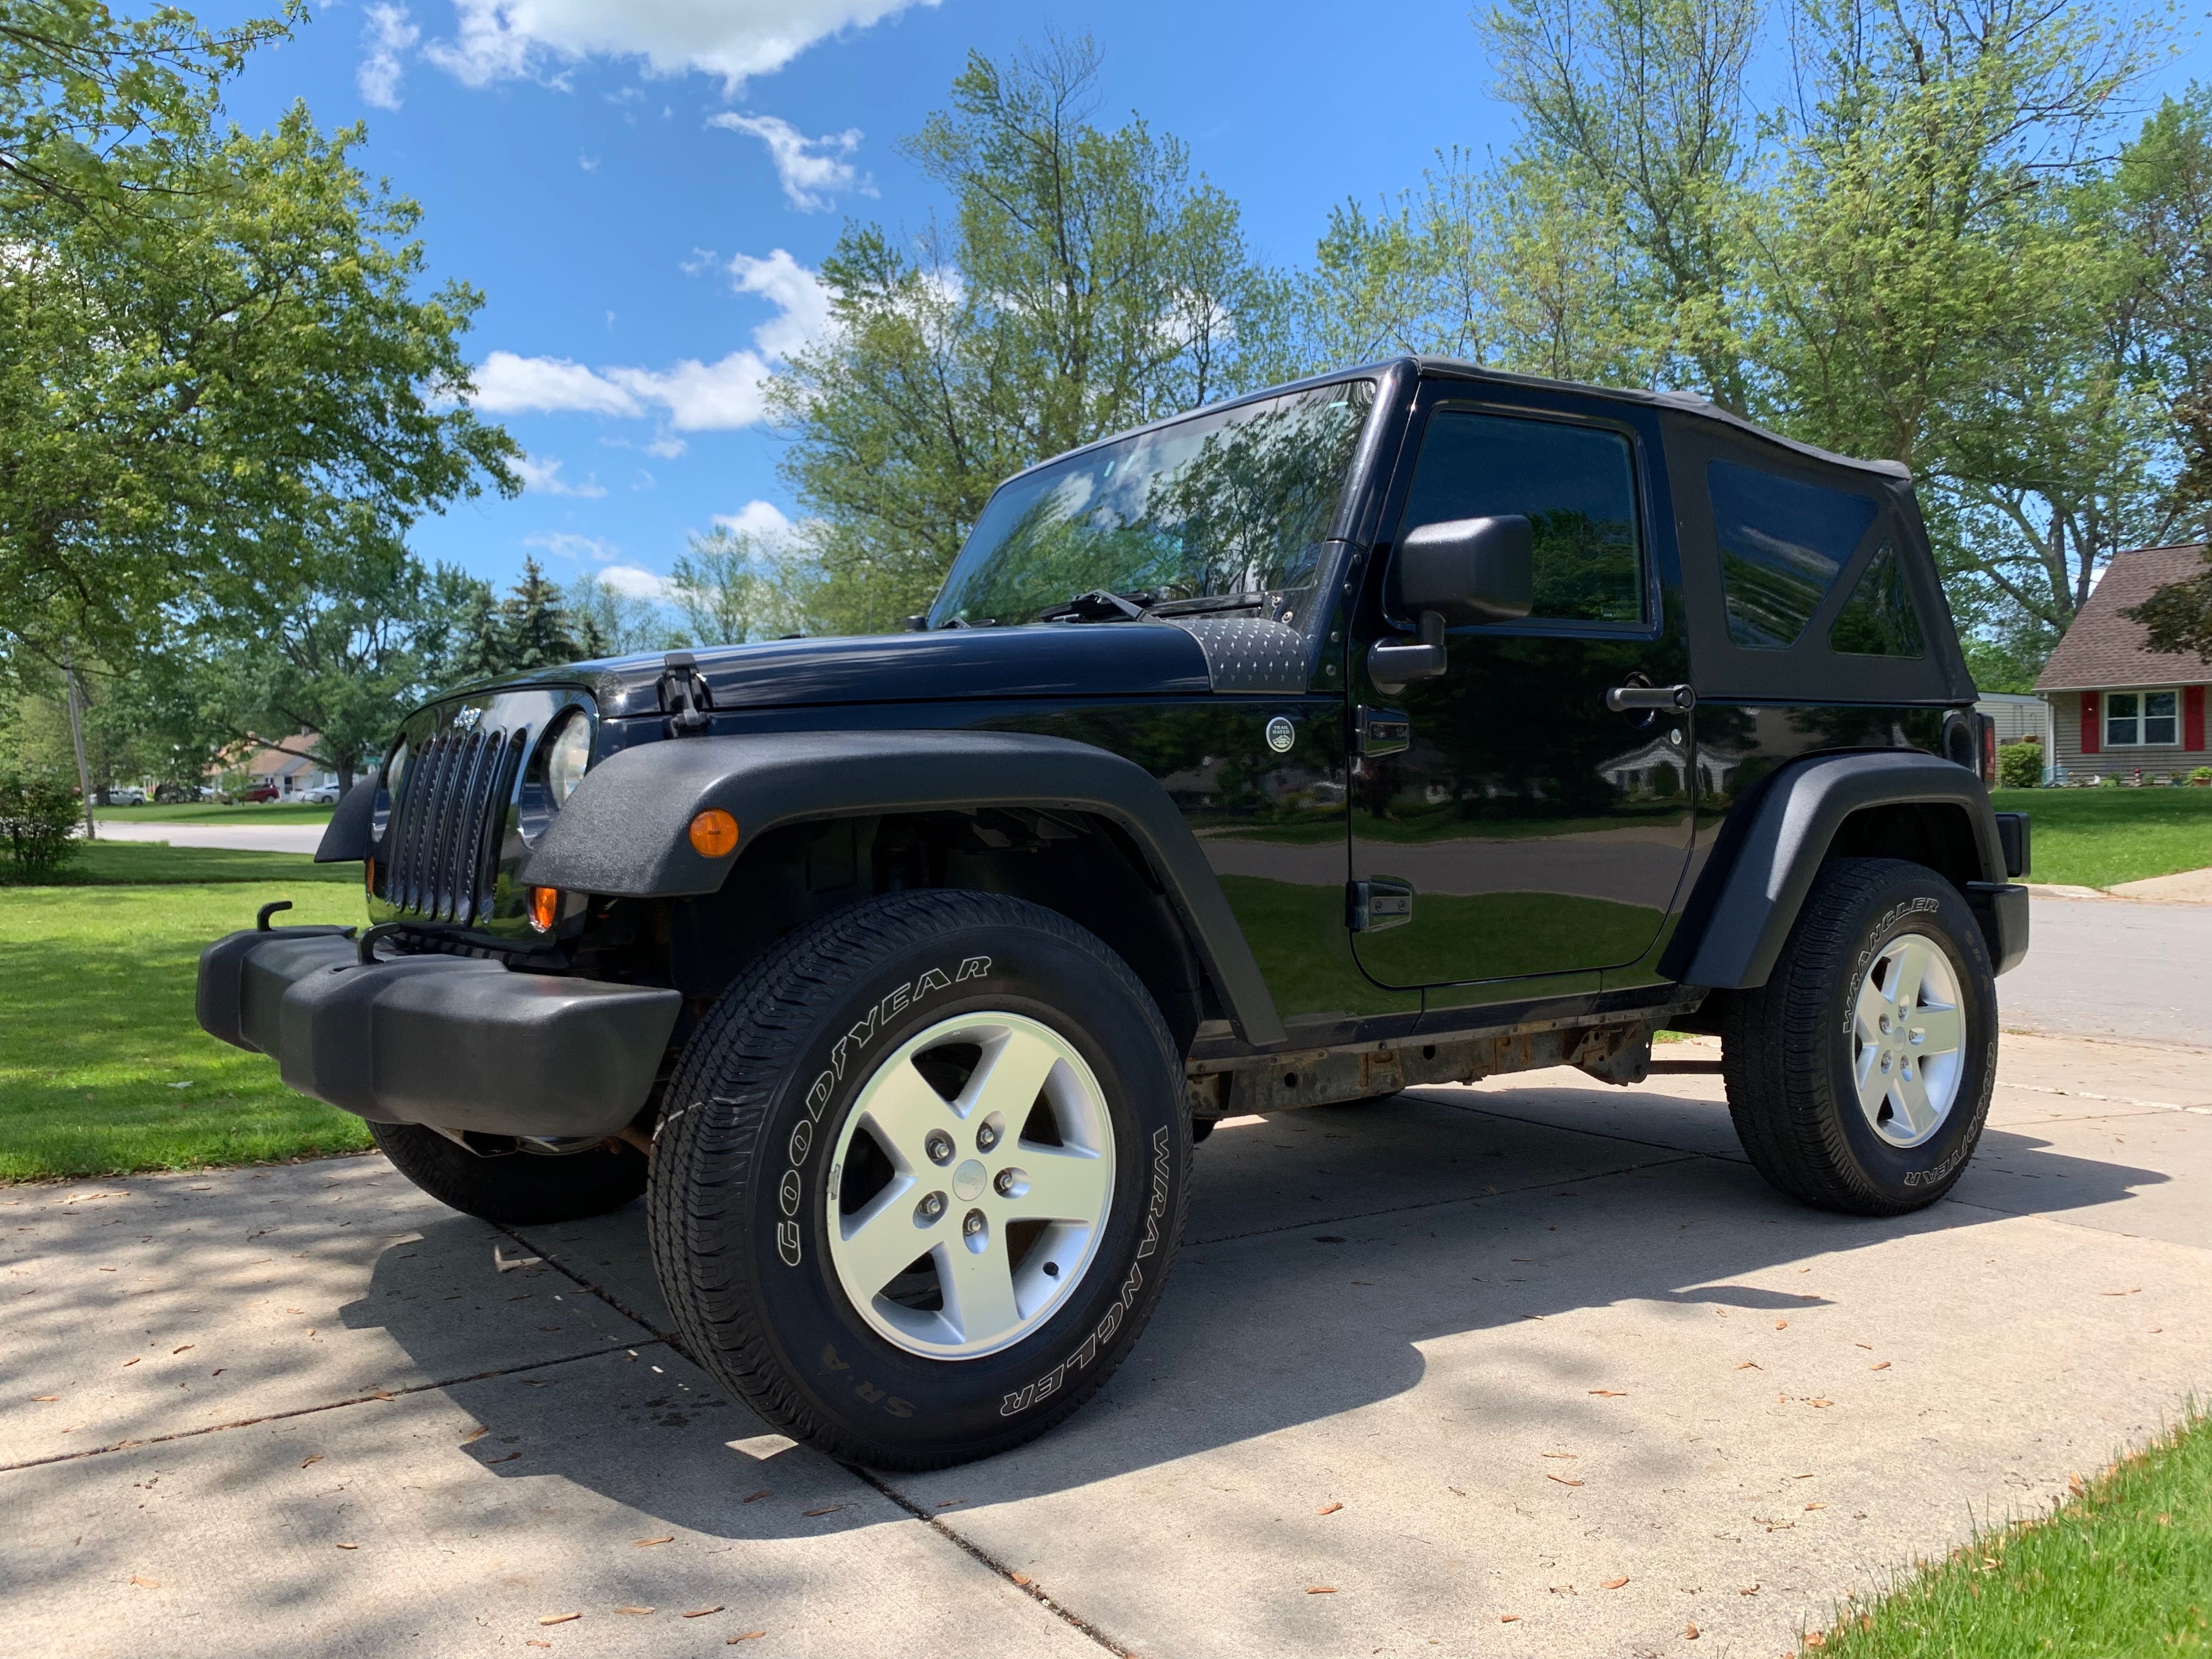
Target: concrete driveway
[1530,1368]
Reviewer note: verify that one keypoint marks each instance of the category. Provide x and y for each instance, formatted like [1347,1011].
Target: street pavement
[1533,1368]
[238,837]
[2114,968]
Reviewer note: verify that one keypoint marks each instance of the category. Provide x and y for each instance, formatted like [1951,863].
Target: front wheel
[1859,1074]
[921,1176]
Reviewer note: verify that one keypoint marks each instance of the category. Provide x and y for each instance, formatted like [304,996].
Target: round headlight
[565,761]
[387,796]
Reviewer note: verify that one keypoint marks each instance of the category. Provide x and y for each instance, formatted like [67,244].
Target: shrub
[37,819]
[2201,776]
[2019,765]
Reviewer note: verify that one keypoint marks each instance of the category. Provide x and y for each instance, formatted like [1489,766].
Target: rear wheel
[519,1188]
[1859,1075]
[920,1177]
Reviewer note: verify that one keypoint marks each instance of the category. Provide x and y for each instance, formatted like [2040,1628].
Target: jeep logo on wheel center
[1626,693]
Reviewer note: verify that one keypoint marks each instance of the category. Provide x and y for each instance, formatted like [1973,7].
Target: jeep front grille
[441,851]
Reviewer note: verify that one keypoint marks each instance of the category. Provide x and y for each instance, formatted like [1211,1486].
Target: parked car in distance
[129,794]
[323,794]
[1412,724]
[260,792]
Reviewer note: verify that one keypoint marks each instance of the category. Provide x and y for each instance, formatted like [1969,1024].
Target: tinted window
[1781,544]
[1575,484]
[1878,620]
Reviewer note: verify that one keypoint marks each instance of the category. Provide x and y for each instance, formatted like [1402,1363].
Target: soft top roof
[1684,403]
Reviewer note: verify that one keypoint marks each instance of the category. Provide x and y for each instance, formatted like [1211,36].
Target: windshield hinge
[683,694]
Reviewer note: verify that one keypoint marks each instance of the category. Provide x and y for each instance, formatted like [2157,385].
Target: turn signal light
[714,834]
[544,908]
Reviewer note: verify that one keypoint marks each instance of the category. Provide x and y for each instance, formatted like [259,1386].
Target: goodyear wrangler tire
[1859,1074]
[920,1177]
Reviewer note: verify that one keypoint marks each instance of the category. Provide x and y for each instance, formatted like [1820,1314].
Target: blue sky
[642,188]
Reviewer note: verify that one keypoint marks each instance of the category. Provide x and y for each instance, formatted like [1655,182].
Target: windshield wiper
[1099,606]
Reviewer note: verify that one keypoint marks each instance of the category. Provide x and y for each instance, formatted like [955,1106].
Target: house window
[2136,719]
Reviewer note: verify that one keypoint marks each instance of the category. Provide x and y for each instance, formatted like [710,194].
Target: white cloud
[695,396]
[810,168]
[544,477]
[636,583]
[569,545]
[801,301]
[387,33]
[509,385]
[504,39]
[762,519]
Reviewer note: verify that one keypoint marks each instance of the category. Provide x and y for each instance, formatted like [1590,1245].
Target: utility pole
[76,737]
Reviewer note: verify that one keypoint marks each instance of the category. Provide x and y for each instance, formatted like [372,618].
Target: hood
[1043,660]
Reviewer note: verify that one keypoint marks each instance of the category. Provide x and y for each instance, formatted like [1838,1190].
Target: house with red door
[2118,708]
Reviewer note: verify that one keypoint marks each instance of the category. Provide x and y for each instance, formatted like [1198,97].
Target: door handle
[1623,698]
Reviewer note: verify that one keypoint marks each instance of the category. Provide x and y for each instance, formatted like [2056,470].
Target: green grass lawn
[142,863]
[2123,1570]
[268,811]
[2096,837]
[103,1068]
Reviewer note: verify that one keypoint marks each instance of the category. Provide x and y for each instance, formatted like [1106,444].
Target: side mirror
[1455,574]
[1468,571]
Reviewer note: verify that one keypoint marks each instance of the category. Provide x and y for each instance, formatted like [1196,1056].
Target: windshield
[1229,504]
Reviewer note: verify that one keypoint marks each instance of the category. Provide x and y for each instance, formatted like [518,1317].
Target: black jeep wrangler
[1407,726]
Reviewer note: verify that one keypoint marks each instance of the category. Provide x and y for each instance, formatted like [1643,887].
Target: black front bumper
[453,1041]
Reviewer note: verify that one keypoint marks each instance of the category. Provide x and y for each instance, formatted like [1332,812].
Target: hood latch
[683,694]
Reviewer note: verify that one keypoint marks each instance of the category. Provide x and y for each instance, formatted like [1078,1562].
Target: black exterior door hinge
[1378,903]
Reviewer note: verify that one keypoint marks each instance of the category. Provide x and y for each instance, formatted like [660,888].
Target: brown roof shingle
[2103,648]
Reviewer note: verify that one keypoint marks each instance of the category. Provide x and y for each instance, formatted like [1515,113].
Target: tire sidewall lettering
[844,1054]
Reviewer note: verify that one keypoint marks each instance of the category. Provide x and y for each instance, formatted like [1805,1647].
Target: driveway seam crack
[936,1524]
[326,1405]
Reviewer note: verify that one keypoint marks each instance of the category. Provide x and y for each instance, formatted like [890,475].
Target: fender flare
[1770,846]
[624,833]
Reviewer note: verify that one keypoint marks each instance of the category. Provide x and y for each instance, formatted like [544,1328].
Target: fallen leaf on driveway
[44,1396]
[1612,1394]
[1781,1324]
[1748,1589]
[145,1584]
[177,1351]
[636,1610]
[128,1364]
[534,1643]
[1751,1365]
[1820,1404]
[1562,1453]
[559,1617]
[701,1613]
[827,1509]
[1021,1578]
[1329,1509]
[1881,1367]
[647,1543]
[475,1435]
[747,1636]
[317,1458]
[1321,1590]
[509,1458]
[1612,1583]
[1689,1632]
[1563,1479]
[1816,1506]
[1509,1618]
[349,1546]
[755,1498]
[2130,1291]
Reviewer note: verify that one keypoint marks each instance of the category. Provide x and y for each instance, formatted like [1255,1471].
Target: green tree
[1086,283]
[534,624]
[219,367]
[610,623]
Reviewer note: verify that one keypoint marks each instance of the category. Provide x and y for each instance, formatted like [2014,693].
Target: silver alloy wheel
[1908,1039]
[981,1230]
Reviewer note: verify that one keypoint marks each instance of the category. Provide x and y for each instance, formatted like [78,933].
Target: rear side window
[1781,544]
[1575,484]
[1878,620]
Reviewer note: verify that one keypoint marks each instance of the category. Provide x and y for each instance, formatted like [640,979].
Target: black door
[1524,828]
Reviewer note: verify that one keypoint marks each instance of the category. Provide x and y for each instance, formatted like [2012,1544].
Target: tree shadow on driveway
[1324,1248]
